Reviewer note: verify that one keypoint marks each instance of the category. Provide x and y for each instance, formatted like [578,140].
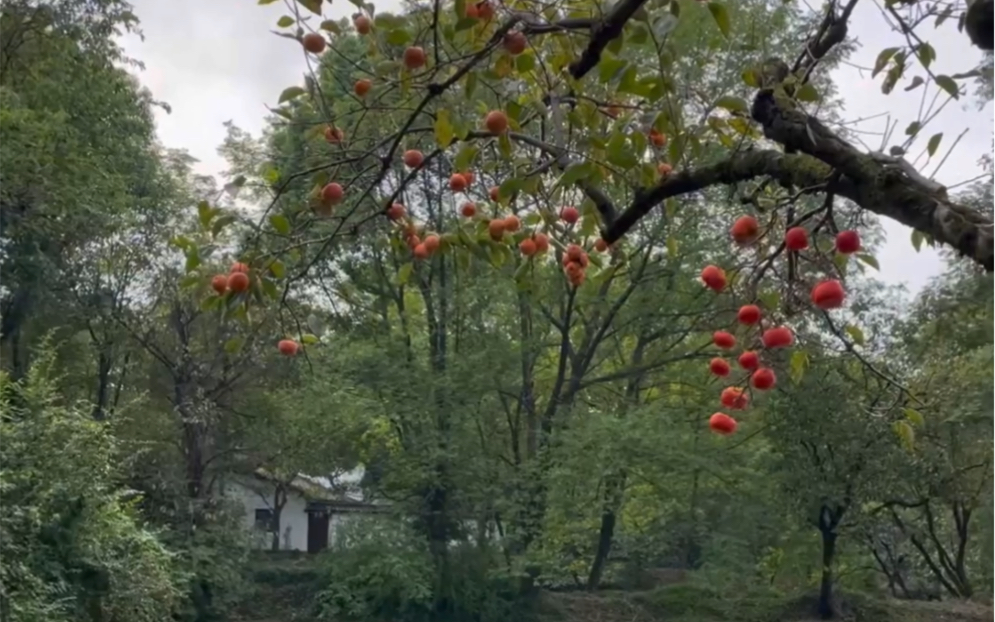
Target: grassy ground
[685,603]
[284,587]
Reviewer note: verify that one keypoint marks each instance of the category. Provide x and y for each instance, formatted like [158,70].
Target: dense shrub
[72,547]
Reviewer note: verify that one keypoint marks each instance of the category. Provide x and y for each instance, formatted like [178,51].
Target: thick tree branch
[873,186]
[602,33]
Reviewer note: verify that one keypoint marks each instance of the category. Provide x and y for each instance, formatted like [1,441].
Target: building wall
[293,518]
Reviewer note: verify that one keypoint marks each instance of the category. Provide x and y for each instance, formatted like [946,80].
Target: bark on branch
[880,185]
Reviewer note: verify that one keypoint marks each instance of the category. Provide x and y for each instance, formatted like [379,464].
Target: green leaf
[504,146]
[210,303]
[471,84]
[575,172]
[277,269]
[675,8]
[869,260]
[509,187]
[620,153]
[525,62]
[882,60]
[205,214]
[914,416]
[308,339]
[917,238]
[193,259]
[269,288]
[771,299]
[265,2]
[280,223]
[856,334]
[404,274]
[609,68]
[285,22]
[181,242]
[926,54]
[220,223]
[733,104]
[465,156]
[671,247]
[443,129]
[721,16]
[807,93]
[917,81]
[751,78]
[331,26]
[798,365]
[312,5]
[948,84]
[233,345]
[905,433]
[891,78]
[841,261]
[398,37]
[934,143]
[290,93]
[913,128]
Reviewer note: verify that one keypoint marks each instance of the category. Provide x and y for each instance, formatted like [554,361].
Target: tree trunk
[279,500]
[614,485]
[826,608]
[104,365]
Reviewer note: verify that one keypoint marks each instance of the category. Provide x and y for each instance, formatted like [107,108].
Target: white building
[312,509]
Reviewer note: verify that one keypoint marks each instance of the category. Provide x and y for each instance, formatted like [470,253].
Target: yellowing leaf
[734,104]
[914,416]
[905,433]
[309,339]
[443,129]
[751,79]
[807,93]
[277,269]
[856,334]
[721,16]
[404,273]
[205,213]
[798,365]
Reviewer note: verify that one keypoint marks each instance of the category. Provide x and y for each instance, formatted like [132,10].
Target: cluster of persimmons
[827,294]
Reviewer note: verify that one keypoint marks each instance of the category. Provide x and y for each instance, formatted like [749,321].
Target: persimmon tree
[473,139]
[559,131]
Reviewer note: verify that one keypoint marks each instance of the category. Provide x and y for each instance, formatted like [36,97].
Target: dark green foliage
[73,546]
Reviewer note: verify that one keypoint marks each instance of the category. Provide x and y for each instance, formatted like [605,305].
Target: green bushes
[381,571]
[72,547]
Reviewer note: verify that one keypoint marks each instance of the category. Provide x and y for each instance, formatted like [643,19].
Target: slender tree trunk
[104,366]
[826,608]
[612,500]
[279,500]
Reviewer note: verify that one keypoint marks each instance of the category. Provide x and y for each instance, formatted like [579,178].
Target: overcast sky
[217,61]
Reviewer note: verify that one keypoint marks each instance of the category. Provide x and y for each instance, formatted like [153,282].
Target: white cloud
[217,61]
